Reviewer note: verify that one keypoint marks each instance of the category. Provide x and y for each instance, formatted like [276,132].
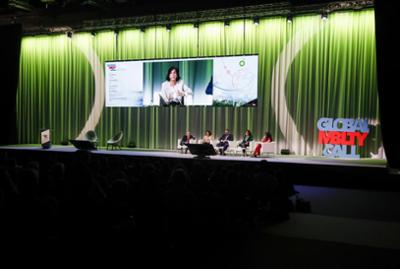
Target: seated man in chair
[224,141]
[186,140]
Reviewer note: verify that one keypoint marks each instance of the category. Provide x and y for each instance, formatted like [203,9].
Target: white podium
[45,138]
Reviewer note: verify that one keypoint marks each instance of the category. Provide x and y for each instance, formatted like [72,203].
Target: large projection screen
[209,81]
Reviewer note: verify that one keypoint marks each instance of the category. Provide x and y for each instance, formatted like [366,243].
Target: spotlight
[69,34]
[227,23]
[289,18]
[324,16]
[168,27]
[196,25]
[256,20]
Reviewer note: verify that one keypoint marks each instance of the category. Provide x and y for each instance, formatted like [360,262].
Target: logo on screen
[112,67]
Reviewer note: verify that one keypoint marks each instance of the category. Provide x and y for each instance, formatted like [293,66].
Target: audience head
[179,177]
[57,170]
[33,165]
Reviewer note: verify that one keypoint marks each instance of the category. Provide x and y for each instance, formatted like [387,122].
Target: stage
[307,170]
[272,158]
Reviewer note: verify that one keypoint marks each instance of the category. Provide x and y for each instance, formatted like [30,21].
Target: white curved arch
[97,69]
[293,139]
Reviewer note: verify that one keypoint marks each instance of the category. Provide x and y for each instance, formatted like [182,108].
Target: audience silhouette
[130,210]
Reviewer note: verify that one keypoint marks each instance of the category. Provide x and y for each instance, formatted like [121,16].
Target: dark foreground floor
[243,248]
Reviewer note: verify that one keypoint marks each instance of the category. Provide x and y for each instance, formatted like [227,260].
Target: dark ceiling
[35,14]
[67,6]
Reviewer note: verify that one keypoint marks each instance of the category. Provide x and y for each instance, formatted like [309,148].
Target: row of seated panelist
[233,148]
[226,143]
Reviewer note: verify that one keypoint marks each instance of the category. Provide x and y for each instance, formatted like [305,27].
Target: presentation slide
[211,81]
[124,84]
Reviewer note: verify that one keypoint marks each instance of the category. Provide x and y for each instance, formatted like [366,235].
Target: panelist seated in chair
[207,138]
[173,90]
[267,138]
[186,140]
[223,143]
[247,138]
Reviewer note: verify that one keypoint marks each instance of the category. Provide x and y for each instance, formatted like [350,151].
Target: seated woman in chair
[207,138]
[267,138]
[173,89]
[248,137]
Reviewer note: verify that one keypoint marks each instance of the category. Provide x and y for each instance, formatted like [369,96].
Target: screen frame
[166,59]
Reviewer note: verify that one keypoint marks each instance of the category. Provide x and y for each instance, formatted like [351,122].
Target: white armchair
[214,143]
[179,146]
[184,147]
[268,147]
[249,149]
[232,147]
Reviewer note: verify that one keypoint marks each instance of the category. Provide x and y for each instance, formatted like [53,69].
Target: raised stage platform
[363,173]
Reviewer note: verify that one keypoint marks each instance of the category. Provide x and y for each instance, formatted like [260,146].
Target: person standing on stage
[224,141]
[248,137]
[267,138]
[186,140]
[173,90]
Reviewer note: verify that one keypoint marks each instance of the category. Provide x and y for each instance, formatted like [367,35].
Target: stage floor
[272,158]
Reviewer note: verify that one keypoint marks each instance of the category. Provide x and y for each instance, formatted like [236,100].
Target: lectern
[45,138]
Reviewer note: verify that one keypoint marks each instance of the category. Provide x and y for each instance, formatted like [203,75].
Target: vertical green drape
[333,75]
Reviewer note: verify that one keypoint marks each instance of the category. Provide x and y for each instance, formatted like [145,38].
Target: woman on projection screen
[173,90]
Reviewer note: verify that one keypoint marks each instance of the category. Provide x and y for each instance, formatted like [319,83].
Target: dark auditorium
[199,134]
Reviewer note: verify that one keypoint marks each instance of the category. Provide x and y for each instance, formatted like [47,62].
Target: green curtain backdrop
[333,75]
